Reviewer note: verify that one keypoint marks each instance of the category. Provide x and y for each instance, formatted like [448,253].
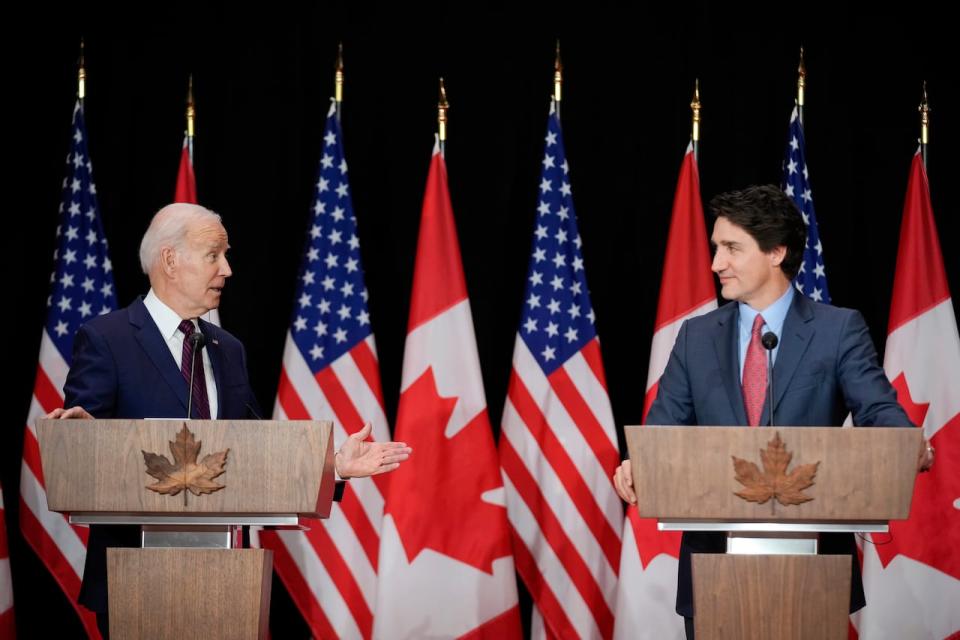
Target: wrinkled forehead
[207,234]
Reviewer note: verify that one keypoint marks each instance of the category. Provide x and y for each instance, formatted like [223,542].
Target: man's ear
[168,261]
[777,255]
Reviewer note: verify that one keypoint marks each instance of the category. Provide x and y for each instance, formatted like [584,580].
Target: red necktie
[755,375]
[201,406]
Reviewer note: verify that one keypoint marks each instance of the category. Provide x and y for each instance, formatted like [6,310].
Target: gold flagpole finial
[557,75]
[338,76]
[442,107]
[924,110]
[191,108]
[81,74]
[801,80]
[695,107]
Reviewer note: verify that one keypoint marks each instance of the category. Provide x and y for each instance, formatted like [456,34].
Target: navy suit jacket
[122,368]
[826,367]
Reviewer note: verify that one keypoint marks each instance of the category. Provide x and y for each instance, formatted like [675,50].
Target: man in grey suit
[825,364]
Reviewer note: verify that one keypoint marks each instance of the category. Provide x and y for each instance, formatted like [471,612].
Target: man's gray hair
[169,229]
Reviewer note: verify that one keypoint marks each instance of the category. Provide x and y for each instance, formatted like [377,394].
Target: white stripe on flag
[549,565]
[56,526]
[558,500]
[593,393]
[52,363]
[565,429]
[300,376]
[322,587]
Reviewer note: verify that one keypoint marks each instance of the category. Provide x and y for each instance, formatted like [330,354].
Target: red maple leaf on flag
[436,501]
[933,524]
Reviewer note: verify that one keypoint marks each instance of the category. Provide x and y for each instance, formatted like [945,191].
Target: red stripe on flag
[554,617]
[289,399]
[366,361]
[341,575]
[292,578]
[339,400]
[49,553]
[556,537]
[580,494]
[7,627]
[583,417]
[366,534]
[46,394]
[505,625]
[31,456]
[591,353]
[350,418]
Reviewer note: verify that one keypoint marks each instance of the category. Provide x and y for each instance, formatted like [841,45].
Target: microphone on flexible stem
[769,341]
[197,341]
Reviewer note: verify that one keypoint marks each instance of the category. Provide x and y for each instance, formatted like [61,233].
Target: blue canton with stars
[558,318]
[811,281]
[331,316]
[82,278]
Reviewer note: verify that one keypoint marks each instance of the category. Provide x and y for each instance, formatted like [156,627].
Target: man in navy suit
[825,364]
[135,363]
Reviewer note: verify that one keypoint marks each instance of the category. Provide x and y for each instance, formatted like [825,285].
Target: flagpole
[924,109]
[695,107]
[191,116]
[557,79]
[81,75]
[338,80]
[442,107]
[801,86]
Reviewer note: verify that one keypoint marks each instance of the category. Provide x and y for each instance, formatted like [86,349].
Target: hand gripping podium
[190,485]
[773,490]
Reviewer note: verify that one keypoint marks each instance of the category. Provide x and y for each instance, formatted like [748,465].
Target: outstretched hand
[358,458]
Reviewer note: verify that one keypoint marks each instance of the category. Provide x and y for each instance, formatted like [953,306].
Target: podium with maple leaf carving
[190,578]
[773,490]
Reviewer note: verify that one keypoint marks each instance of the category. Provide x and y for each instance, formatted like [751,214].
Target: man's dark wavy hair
[770,217]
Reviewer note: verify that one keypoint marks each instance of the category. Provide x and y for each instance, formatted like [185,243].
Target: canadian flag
[647,595]
[445,567]
[912,576]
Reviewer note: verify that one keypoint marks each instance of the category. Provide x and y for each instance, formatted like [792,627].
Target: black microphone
[197,341]
[769,341]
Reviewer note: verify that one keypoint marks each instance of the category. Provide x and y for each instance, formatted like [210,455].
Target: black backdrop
[262,83]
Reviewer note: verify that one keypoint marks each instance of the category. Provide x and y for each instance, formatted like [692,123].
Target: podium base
[189,593]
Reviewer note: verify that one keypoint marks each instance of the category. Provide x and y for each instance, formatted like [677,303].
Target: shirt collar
[166,319]
[773,316]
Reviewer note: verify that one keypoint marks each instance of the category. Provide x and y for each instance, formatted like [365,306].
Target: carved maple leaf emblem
[774,481]
[185,473]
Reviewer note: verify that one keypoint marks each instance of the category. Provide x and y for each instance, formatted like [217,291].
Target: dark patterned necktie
[754,375]
[201,406]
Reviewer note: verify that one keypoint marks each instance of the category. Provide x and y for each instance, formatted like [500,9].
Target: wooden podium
[190,579]
[771,583]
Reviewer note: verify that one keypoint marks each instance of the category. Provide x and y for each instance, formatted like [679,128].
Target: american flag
[811,281]
[558,446]
[330,370]
[81,288]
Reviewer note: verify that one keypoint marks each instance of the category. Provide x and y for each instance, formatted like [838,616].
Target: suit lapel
[217,360]
[796,335]
[153,344]
[726,343]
